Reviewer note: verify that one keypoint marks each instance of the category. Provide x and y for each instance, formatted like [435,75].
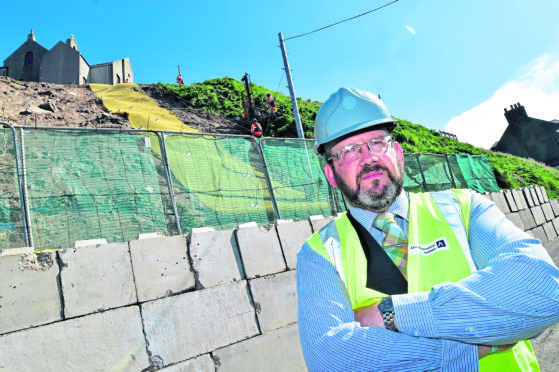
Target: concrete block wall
[207,301]
[210,300]
[531,210]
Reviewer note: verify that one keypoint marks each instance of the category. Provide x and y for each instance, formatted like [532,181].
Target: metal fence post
[169,179]
[268,180]
[27,218]
[22,188]
[421,171]
[450,171]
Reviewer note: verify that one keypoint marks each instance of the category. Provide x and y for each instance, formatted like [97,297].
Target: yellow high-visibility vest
[438,251]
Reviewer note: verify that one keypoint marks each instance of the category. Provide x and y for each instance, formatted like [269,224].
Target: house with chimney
[529,137]
[62,64]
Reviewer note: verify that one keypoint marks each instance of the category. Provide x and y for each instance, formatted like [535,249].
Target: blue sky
[451,64]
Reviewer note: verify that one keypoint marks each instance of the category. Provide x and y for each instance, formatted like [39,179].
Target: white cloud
[410,29]
[537,89]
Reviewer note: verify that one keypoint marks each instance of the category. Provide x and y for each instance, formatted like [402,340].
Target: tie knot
[384,220]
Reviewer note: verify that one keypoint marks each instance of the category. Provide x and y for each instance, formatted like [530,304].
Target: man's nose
[367,157]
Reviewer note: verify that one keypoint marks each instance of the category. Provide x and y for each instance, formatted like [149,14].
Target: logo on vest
[429,248]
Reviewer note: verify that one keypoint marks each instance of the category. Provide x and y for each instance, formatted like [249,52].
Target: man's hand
[370,316]
[483,350]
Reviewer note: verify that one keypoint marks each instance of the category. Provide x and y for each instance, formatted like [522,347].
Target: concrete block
[539,233]
[541,199]
[16,251]
[203,363]
[544,194]
[528,196]
[545,347]
[87,243]
[180,327]
[161,267]
[547,211]
[539,217]
[292,237]
[519,199]
[29,293]
[556,225]
[319,221]
[527,219]
[275,351]
[510,200]
[534,194]
[275,299]
[150,235]
[555,206]
[516,219]
[111,340]
[550,231]
[500,201]
[96,278]
[215,257]
[260,250]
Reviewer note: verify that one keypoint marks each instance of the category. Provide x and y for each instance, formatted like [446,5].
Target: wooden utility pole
[291,89]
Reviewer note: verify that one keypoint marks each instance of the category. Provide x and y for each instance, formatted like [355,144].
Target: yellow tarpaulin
[142,111]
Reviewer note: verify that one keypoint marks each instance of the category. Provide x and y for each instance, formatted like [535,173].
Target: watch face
[386,305]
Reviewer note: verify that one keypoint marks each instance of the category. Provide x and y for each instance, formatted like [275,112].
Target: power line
[342,21]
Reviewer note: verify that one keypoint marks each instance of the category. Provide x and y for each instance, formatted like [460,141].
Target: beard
[377,198]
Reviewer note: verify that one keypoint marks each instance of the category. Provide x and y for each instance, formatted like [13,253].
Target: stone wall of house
[210,300]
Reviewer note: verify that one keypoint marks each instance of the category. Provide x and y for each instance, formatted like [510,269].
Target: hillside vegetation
[224,95]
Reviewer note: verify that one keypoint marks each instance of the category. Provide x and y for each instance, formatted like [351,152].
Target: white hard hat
[346,111]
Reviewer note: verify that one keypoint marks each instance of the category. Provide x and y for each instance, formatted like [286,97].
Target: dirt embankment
[27,103]
[202,120]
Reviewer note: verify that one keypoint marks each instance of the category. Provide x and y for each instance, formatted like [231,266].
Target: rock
[49,93]
[49,106]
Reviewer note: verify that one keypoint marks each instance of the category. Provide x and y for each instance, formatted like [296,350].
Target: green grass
[224,95]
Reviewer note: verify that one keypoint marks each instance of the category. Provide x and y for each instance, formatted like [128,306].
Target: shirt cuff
[413,314]
[458,356]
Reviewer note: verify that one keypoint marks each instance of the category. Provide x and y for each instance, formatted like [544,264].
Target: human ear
[329,173]
[399,151]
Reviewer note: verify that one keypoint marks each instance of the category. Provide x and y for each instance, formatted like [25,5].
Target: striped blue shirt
[513,296]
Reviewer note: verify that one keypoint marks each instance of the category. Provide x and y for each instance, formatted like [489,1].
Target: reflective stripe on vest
[438,251]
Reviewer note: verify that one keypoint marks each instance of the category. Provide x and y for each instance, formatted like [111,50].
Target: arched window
[29,58]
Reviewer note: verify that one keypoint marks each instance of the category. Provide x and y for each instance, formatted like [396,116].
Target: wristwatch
[387,310]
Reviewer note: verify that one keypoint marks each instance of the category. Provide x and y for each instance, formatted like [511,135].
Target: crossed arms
[514,296]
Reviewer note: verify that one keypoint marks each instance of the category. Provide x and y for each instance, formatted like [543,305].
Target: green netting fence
[12,216]
[116,184]
[85,185]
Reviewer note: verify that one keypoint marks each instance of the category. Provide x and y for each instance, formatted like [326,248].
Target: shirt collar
[399,207]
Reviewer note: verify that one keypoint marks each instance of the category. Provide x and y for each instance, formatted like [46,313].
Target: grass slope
[224,95]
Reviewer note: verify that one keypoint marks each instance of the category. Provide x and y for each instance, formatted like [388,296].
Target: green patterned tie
[395,243]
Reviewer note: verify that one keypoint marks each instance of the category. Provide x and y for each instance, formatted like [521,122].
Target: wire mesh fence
[12,222]
[80,184]
[84,185]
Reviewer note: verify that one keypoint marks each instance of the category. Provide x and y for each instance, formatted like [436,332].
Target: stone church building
[63,64]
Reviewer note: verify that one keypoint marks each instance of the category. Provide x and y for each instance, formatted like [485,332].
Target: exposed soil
[202,120]
[27,103]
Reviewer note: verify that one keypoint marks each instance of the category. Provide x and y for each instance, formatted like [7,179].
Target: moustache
[373,168]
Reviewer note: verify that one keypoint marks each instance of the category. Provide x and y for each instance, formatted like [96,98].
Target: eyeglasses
[376,146]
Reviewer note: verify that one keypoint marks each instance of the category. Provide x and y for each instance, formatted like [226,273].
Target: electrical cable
[281,79]
[342,21]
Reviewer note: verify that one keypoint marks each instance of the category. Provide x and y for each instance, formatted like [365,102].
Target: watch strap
[387,311]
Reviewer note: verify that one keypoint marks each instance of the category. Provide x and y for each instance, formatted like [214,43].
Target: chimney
[516,113]
[31,36]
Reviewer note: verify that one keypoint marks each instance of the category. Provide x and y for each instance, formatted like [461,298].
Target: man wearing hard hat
[413,281]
